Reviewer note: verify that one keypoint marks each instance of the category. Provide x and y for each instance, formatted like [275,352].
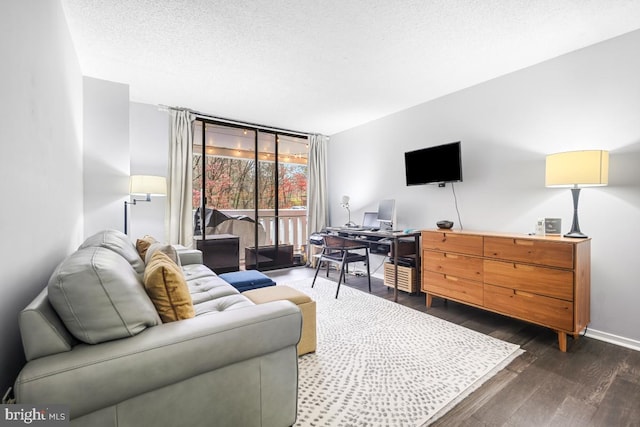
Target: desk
[375,237]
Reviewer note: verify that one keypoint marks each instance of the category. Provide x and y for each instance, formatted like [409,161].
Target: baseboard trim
[613,339]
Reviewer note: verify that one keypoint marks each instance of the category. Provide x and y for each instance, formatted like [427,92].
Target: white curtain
[179,224]
[317,206]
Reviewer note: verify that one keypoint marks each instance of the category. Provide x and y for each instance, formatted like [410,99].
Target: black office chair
[343,251]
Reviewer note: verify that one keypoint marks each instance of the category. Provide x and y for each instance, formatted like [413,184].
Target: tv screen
[442,163]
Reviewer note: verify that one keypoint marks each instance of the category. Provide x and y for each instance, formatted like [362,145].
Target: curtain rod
[236,122]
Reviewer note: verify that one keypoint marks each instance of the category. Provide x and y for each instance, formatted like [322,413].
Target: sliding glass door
[251,183]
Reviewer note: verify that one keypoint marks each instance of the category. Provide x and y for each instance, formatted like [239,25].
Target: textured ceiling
[325,66]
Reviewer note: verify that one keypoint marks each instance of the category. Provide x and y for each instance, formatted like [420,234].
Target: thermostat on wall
[552,225]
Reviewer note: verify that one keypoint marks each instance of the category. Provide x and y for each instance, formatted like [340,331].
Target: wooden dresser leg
[429,300]
[562,341]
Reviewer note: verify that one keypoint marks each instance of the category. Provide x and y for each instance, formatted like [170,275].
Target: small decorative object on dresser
[544,280]
[445,224]
[553,226]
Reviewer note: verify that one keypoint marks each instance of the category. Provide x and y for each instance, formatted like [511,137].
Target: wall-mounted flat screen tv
[442,163]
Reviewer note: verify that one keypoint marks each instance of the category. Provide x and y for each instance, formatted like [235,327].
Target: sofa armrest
[91,377]
[189,256]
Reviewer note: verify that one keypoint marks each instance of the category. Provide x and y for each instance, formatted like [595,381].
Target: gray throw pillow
[100,297]
[118,242]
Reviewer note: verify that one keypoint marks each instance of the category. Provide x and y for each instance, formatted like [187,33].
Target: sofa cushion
[143,244]
[99,296]
[205,285]
[224,303]
[118,242]
[167,288]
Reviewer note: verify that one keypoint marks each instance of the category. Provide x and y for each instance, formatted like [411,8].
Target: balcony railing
[292,225]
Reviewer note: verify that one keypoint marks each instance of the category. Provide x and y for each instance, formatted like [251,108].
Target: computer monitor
[370,220]
[387,212]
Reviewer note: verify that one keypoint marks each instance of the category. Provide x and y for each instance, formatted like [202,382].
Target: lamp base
[576,235]
[575,226]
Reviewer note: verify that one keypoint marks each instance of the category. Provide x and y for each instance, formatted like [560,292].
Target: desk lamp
[144,185]
[577,169]
[345,204]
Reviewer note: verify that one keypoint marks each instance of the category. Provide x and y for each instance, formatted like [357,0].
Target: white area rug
[379,363]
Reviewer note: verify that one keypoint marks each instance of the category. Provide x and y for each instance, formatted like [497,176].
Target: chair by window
[342,251]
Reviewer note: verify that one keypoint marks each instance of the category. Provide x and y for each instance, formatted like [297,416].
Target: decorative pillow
[167,288]
[118,242]
[168,250]
[98,296]
[143,244]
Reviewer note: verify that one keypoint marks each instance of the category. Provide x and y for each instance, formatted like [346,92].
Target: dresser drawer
[452,242]
[544,252]
[453,264]
[551,282]
[456,288]
[551,312]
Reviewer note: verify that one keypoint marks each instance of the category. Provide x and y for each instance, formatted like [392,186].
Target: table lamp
[144,185]
[345,204]
[576,169]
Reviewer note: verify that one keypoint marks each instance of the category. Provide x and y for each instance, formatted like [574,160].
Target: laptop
[370,221]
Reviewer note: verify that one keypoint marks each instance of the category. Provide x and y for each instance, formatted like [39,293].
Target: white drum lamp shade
[148,184]
[144,185]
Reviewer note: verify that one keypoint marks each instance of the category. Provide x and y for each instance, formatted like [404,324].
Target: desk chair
[343,251]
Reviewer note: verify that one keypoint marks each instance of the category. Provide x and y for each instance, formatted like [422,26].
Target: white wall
[40,160]
[106,154]
[588,99]
[122,138]
[149,141]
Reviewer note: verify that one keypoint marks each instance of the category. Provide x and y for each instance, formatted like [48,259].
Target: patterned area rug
[379,363]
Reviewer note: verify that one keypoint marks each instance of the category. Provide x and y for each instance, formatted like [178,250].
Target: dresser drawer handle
[522,242]
[522,294]
[452,278]
[451,256]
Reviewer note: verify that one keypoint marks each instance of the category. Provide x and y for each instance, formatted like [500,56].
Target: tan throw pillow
[167,288]
[143,244]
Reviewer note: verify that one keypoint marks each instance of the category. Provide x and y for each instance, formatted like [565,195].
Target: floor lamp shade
[576,169]
[144,185]
[148,184]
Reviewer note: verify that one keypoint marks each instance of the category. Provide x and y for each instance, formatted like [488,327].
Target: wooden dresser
[545,280]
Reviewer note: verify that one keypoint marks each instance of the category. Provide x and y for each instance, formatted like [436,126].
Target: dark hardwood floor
[593,384]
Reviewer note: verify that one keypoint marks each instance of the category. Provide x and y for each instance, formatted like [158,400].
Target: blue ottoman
[247,279]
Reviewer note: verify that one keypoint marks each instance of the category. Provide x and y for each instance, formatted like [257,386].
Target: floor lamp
[576,169]
[144,185]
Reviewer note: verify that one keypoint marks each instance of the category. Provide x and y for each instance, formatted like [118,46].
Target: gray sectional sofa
[94,341]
